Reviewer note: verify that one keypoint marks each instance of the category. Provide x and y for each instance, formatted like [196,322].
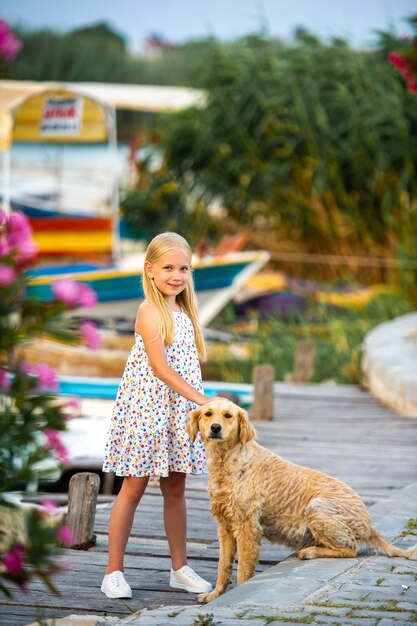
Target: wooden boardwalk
[339,429]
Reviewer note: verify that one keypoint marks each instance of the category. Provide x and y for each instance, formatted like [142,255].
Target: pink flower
[4,380]
[55,444]
[72,405]
[74,294]
[91,335]
[406,74]
[7,275]
[26,367]
[50,506]
[52,436]
[19,230]
[18,238]
[9,43]
[4,246]
[412,86]
[88,297]
[47,377]
[13,560]
[65,535]
[66,291]
[397,61]
[26,253]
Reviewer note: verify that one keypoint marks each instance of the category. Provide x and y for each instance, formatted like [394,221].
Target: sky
[181,20]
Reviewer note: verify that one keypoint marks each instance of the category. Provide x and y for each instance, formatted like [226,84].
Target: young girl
[161,384]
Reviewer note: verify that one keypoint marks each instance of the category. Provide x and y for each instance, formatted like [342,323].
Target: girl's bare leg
[121,519]
[175,517]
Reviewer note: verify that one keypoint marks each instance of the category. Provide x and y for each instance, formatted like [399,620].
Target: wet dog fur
[254,493]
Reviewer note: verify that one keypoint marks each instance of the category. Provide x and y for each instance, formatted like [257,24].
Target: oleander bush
[31,415]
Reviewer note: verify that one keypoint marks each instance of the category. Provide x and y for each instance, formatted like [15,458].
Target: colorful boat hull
[118,284]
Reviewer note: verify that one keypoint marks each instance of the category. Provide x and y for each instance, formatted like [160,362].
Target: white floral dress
[147,435]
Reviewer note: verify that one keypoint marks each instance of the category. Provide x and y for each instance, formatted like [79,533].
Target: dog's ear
[246,430]
[192,426]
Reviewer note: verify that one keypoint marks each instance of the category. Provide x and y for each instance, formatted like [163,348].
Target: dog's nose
[215,428]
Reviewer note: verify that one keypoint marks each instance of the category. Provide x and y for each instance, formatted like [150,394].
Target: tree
[313,143]
[100,32]
[167,204]
[91,54]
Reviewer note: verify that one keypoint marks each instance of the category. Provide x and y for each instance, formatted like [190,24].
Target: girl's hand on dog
[210,399]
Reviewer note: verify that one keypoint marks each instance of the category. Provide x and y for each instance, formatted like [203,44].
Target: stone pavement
[370,590]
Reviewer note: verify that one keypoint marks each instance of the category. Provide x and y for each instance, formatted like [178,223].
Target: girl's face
[170,273]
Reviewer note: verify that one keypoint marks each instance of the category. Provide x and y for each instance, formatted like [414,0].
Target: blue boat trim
[112,284]
[57,270]
[106,388]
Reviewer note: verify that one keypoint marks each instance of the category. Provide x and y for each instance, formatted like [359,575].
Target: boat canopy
[52,113]
[26,107]
[58,113]
[62,113]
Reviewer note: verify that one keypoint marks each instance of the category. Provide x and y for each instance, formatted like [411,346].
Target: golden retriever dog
[254,493]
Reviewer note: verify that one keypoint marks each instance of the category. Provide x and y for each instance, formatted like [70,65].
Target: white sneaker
[114,585]
[187,579]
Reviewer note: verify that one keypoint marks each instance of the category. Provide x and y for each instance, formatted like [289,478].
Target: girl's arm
[146,326]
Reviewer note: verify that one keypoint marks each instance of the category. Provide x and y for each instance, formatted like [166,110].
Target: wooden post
[82,500]
[304,361]
[263,401]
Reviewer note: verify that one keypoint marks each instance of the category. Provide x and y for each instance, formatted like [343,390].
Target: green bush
[337,335]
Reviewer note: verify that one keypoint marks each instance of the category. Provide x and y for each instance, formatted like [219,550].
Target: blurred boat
[85,247]
[274,293]
[281,303]
[119,289]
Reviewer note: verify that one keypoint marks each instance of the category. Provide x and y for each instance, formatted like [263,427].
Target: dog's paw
[207,597]
[307,553]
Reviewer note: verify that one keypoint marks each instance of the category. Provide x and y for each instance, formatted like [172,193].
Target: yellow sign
[61,116]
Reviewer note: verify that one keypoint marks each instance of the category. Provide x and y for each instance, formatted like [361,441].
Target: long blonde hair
[186,299]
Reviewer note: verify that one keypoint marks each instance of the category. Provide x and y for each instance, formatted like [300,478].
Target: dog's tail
[382,545]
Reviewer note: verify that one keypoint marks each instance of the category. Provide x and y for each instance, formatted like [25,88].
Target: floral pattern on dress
[147,434]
